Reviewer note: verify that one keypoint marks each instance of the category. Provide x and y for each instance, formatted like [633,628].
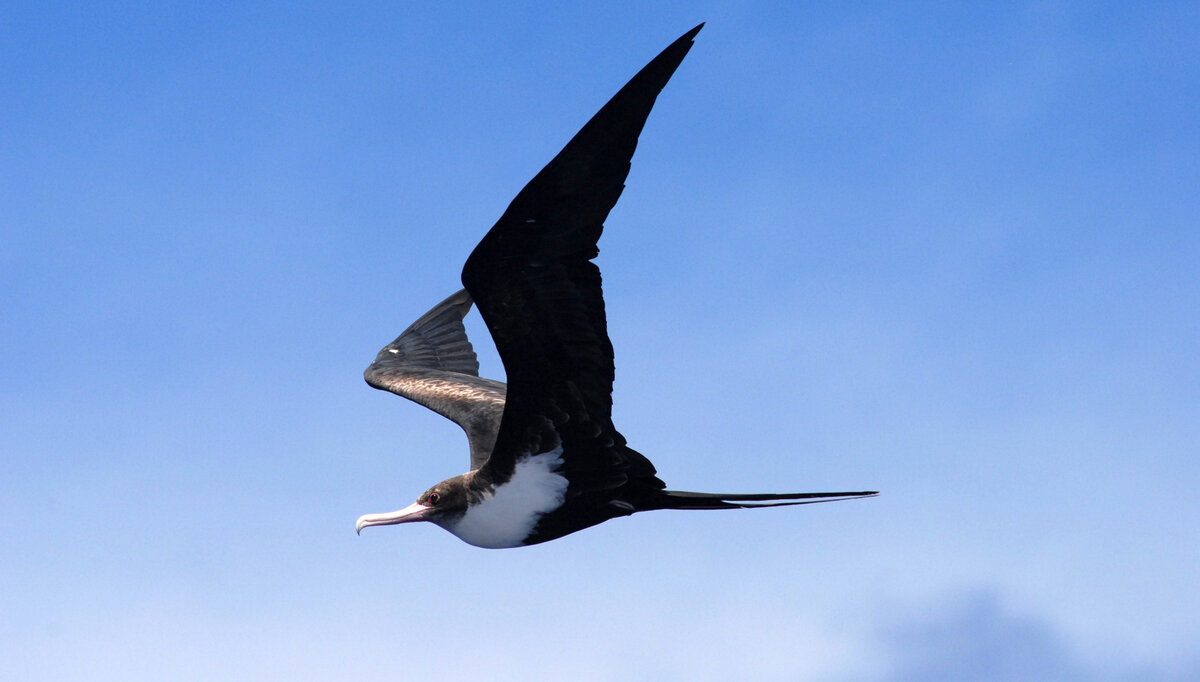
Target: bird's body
[546,459]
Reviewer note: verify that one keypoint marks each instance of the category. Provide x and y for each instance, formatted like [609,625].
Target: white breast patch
[507,516]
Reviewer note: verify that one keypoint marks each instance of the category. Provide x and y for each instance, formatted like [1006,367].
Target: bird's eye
[434,497]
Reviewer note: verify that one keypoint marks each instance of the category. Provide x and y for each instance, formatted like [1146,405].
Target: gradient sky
[949,252]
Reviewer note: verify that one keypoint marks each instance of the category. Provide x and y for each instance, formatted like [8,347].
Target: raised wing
[540,295]
[432,363]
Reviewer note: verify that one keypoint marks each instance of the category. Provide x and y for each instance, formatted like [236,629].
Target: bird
[545,458]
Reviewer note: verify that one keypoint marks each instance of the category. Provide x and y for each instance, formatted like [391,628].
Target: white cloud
[975,637]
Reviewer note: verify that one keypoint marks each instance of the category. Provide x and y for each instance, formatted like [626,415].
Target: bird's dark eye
[434,497]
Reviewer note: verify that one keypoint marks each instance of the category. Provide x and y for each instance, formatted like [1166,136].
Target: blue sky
[943,251]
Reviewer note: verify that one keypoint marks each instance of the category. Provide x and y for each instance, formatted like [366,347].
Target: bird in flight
[546,459]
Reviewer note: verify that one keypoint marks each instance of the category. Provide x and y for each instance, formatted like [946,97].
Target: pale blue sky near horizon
[949,252]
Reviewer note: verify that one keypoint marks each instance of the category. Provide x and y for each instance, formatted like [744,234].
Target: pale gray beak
[413,512]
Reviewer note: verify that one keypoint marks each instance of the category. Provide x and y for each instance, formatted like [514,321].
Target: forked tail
[682,499]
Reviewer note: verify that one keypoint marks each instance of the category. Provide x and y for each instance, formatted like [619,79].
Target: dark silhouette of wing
[539,293]
[433,363]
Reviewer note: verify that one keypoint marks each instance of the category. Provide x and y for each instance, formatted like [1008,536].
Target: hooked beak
[413,512]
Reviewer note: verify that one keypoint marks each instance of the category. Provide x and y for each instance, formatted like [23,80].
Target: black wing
[539,293]
[433,363]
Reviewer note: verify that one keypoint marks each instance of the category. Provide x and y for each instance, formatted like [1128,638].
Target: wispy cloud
[976,638]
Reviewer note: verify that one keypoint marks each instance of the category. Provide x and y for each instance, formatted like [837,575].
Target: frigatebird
[546,459]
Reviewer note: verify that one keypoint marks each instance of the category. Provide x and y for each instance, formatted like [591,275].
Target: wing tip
[459,302]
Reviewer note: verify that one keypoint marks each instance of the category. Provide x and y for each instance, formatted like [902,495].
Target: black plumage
[537,289]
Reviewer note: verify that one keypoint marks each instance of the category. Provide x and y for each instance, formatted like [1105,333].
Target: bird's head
[442,504]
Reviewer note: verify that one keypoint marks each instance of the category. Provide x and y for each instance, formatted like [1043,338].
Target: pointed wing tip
[684,41]
[460,302]
[436,341]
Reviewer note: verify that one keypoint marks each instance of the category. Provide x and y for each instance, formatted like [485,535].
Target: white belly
[506,517]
